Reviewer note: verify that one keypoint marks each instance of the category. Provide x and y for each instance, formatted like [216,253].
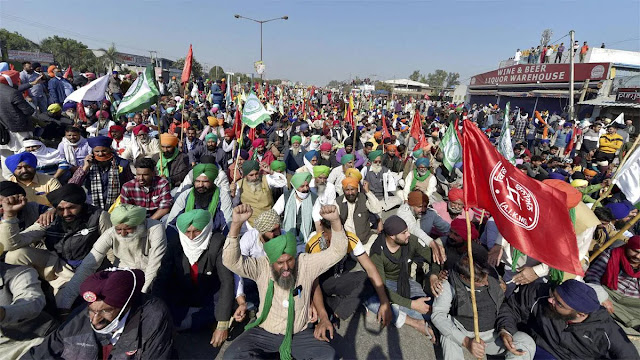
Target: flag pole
[235,167]
[615,237]
[626,156]
[184,106]
[472,279]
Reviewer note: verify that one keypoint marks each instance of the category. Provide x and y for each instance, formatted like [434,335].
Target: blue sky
[331,39]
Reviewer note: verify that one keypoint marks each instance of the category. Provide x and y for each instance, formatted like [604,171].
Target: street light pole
[237,16]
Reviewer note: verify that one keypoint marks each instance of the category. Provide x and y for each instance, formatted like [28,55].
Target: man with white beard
[142,146]
[326,157]
[294,156]
[338,174]
[382,182]
[253,189]
[136,242]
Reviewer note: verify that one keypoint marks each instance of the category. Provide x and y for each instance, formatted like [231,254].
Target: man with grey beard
[382,182]
[136,243]
[253,189]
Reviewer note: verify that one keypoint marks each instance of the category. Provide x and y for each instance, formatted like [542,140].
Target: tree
[452,80]
[108,59]
[15,41]
[437,79]
[216,73]
[196,67]
[383,86]
[69,52]
[415,76]
[545,37]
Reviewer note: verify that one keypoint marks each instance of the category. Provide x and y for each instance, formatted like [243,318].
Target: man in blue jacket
[59,88]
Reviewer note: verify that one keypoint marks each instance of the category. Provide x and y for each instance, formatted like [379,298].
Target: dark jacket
[15,111]
[432,224]
[597,337]
[147,335]
[362,218]
[197,143]
[74,245]
[178,169]
[174,284]
[56,91]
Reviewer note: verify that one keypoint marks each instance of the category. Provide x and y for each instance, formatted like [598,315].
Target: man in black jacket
[15,113]
[566,322]
[118,322]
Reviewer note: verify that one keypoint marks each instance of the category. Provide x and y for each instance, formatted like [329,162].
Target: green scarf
[555,275]
[285,347]
[213,205]
[417,178]
[164,169]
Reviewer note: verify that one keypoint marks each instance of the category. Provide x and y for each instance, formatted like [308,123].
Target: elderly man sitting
[136,243]
[143,145]
[253,189]
[382,181]
[618,270]
[420,179]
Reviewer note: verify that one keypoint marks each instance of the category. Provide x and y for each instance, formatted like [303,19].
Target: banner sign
[630,95]
[541,73]
[30,56]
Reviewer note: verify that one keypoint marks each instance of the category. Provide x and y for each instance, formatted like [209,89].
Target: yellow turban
[353,173]
[168,140]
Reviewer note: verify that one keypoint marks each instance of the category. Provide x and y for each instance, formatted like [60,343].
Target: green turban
[199,218]
[276,247]
[131,215]
[296,138]
[418,153]
[277,165]
[211,136]
[250,165]
[210,170]
[315,138]
[346,158]
[374,154]
[299,178]
[321,170]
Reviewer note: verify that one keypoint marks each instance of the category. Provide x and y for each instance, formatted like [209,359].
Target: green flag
[141,94]
[504,142]
[451,149]
[253,113]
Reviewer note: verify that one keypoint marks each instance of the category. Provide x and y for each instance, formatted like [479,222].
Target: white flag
[628,179]
[93,91]
[619,119]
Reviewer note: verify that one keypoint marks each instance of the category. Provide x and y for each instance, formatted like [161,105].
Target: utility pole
[571,76]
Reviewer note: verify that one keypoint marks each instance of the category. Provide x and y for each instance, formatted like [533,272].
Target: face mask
[280,132]
[114,323]
[302,195]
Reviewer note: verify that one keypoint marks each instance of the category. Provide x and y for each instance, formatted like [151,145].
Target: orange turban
[168,140]
[353,173]
[377,135]
[350,181]
[589,172]
[574,196]
[392,147]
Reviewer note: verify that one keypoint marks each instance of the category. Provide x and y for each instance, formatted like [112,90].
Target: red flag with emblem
[186,70]
[531,216]
[385,129]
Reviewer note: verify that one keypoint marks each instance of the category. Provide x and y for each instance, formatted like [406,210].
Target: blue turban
[304,126]
[579,296]
[103,141]
[311,154]
[422,162]
[555,175]
[69,105]
[26,157]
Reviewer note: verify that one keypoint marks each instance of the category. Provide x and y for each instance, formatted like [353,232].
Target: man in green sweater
[391,253]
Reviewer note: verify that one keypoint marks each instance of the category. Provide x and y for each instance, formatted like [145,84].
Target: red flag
[385,129]
[574,135]
[417,132]
[11,67]
[81,114]
[349,116]
[252,134]
[531,216]
[237,123]
[68,72]
[186,70]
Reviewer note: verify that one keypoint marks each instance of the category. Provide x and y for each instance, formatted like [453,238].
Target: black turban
[9,188]
[70,193]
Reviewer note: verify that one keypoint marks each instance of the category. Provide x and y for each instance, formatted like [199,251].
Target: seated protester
[191,142]
[148,190]
[24,324]
[192,280]
[221,180]
[173,164]
[234,173]
[566,322]
[142,146]
[448,179]
[605,229]
[67,239]
[382,182]
[415,213]
[359,210]
[276,177]
[285,284]
[117,321]
[103,173]
[120,142]
[338,174]
[453,316]
[392,253]
[310,160]
[208,147]
[344,288]
[226,148]
[348,149]
[74,148]
[300,208]
[136,243]
[391,160]
[254,190]
[50,161]
[420,179]
[260,153]
[453,208]
[204,195]
[28,215]
[294,155]
[327,158]
[534,168]
[618,270]
[101,125]
[455,244]
[36,185]
[364,152]
[326,192]
[586,190]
